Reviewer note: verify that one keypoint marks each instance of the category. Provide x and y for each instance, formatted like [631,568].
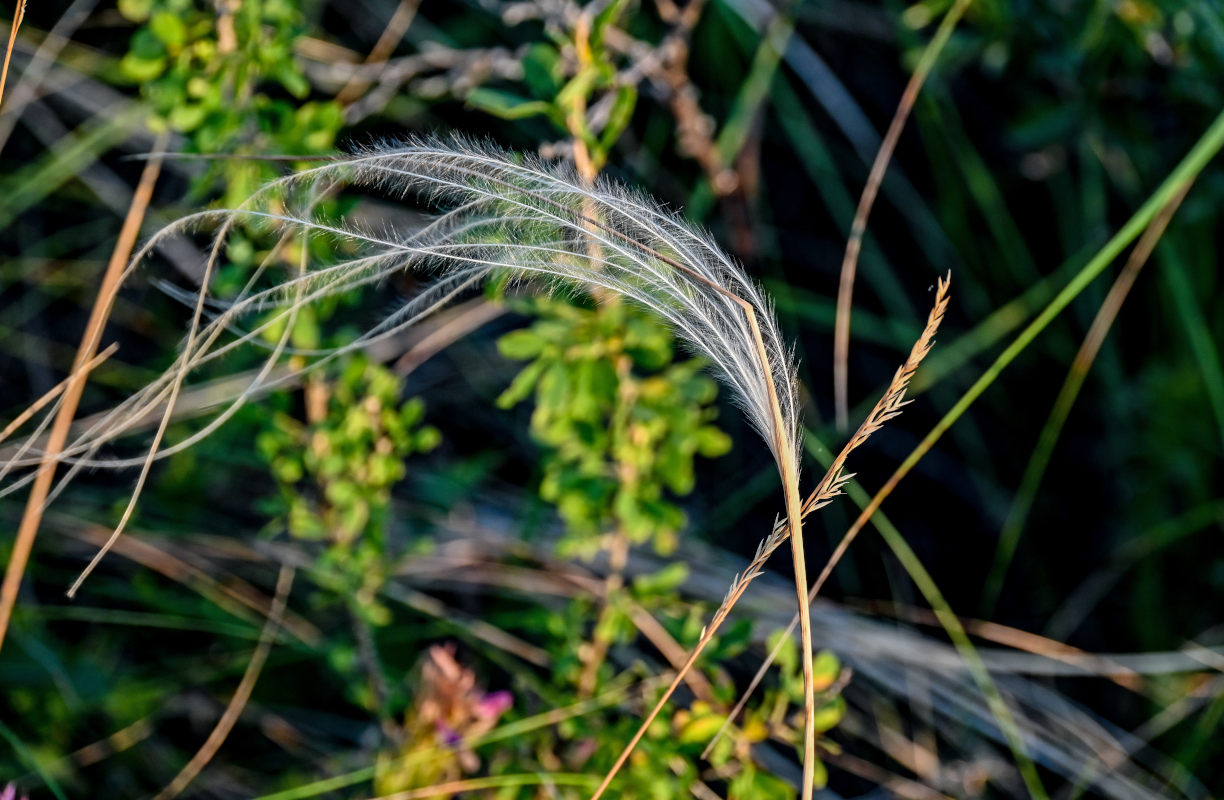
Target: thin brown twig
[1016,638]
[397,26]
[242,694]
[55,391]
[702,791]
[18,16]
[894,784]
[233,595]
[427,604]
[122,739]
[670,649]
[28,528]
[845,288]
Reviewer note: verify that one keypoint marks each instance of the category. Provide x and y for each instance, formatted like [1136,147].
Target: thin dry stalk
[18,16]
[830,486]
[794,515]
[242,694]
[890,782]
[657,635]
[849,266]
[889,407]
[702,791]
[55,391]
[28,529]
[233,594]
[788,469]
[1093,340]
[397,26]
[475,626]
[122,739]
[1025,641]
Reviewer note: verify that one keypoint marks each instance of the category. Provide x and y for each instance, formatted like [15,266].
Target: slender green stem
[1194,162]
[24,754]
[1039,460]
[1207,146]
[495,782]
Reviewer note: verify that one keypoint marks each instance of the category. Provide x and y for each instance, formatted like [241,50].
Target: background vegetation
[466,560]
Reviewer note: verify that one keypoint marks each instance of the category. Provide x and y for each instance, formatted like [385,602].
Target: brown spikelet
[889,405]
[835,478]
[831,485]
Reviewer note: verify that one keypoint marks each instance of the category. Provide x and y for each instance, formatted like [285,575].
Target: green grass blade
[1206,354]
[24,754]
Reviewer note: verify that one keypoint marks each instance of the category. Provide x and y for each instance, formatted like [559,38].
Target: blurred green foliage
[1041,124]
[218,74]
[335,476]
[621,420]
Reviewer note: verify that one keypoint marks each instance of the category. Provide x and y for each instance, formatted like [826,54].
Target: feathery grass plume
[500,215]
[526,219]
[831,485]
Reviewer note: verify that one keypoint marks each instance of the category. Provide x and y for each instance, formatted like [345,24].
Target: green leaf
[412,411]
[701,729]
[664,581]
[712,442]
[542,70]
[788,656]
[140,69]
[169,29]
[825,669]
[609,15]
[294,81]
[186,117]
[507,105]
[427,439]
[827,716]
[521,344]
[521,386]
[136,10]
[619,116]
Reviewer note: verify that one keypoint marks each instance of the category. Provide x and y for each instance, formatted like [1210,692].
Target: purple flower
[492,705]
[450,737]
